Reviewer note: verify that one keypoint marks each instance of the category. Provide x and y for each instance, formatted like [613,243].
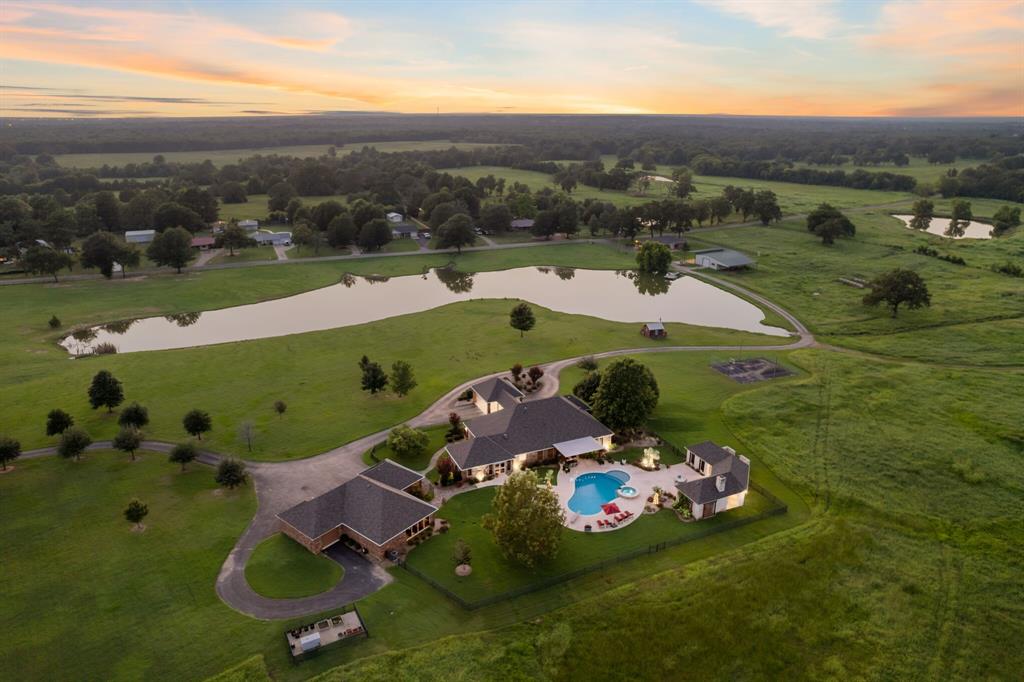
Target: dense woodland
[39,199]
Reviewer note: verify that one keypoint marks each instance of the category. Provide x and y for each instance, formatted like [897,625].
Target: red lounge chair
[600,523]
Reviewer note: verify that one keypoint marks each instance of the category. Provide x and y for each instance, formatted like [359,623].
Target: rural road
[280,485]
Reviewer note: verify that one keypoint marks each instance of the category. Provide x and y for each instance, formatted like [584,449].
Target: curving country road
[280,485]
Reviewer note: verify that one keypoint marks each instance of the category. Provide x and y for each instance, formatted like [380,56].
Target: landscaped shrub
[54,322]
[1009,268]
[588,363]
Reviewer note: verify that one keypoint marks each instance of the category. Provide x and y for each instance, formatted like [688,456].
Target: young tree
[456,232]
[105,391]
[247,433]
[235,237]
[961,215]
[683,179]
[407,442]
[374,234]
[306,235]
[461,555]
[172,247]
[924,211]
[626,396]
[197,422]
[896,288]
[135,512]
[374,379]
[231,473]
[58,421]
[10,450]
[526,520]
[73,443]
[127,256]
[135,416]
[280,407]
[522,318]
[402,379]
[535,373]
[54,322]
[445,468]
[454,426]
[128,440]
[182,454]
[496,218]
[653,257]
[586,387]
[828,222]
[341,231]
[765,206]
[45,261]
[1005,219]
[100,251]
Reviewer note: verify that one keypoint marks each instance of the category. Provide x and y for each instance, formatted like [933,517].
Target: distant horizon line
[325,113]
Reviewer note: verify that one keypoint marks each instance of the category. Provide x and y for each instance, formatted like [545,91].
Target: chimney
[720,482]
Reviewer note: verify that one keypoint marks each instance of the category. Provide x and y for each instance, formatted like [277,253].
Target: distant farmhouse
[522,224]
[722,259]
[273,238]
[139,236]
[393,217]
[249,225]
[403,230]
[203,243]
[376,509]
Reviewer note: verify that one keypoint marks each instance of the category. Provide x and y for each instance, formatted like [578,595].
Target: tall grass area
[974,317]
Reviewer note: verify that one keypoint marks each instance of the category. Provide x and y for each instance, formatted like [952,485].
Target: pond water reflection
[622,296]
[941,227]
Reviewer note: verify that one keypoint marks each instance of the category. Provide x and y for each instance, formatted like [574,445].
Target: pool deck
[643,481]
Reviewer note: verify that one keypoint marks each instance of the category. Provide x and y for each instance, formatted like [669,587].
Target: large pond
[620,296]
[940,226]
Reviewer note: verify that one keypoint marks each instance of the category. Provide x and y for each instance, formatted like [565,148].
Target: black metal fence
[778,507]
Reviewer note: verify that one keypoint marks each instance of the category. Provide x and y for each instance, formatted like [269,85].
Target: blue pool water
[595,489]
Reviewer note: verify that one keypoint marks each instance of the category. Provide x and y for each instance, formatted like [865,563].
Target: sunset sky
[778,57]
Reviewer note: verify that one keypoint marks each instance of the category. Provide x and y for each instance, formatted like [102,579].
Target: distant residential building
[249,225]
[203,243]
[522,224]
[273,238]
[139,236]
[722,259]
[394,217]
[403,231]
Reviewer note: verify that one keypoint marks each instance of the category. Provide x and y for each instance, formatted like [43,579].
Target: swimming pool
[595,489]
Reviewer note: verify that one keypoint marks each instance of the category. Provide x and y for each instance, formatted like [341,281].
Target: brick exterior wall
[317,545]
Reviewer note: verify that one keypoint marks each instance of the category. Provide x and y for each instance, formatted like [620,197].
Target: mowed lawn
[221,157]
[256,208]
[493,574]
[316,374]
[86,596]
[281,568]
[419,462]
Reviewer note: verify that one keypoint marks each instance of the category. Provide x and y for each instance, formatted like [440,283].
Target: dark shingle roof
[372,509]
[522,428]
[392,474]
[498,390]
[704,490]
[709,452]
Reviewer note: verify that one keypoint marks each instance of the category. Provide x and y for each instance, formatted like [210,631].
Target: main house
[725,477]
[376,509]
[513,434]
